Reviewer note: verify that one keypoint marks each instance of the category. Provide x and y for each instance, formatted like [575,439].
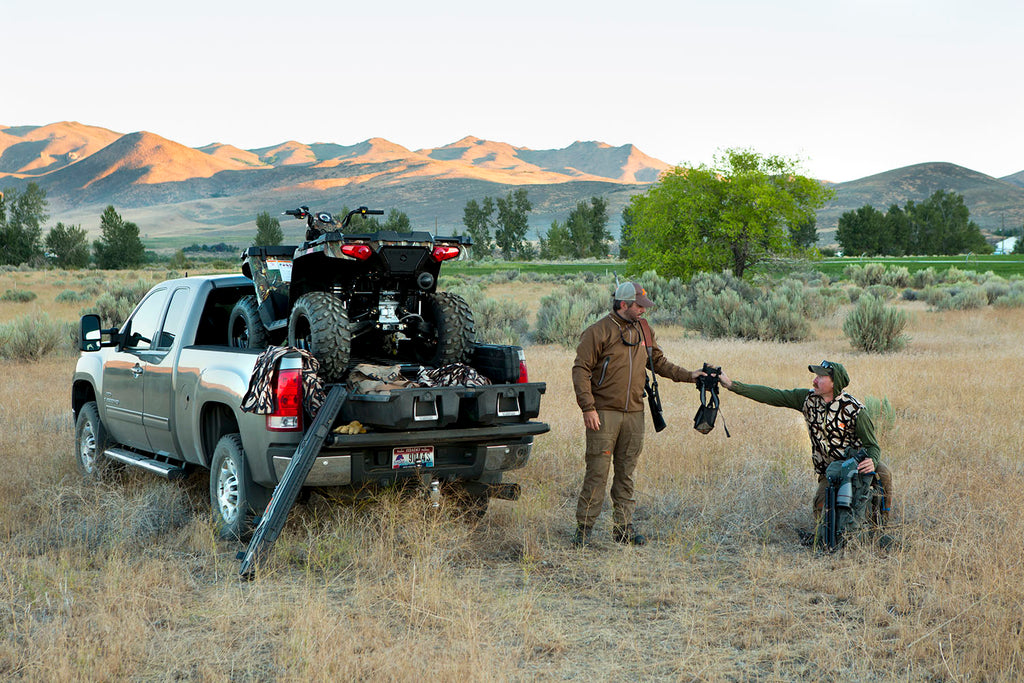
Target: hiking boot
[582,536]
[627,534]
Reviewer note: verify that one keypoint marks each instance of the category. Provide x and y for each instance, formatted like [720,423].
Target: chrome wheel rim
[87,448]
[227,490]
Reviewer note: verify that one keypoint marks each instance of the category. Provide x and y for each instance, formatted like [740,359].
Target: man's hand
[724,380]
[866,466]
[591,420]
[694,374]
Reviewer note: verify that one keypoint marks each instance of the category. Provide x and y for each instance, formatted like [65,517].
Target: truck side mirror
[90,337]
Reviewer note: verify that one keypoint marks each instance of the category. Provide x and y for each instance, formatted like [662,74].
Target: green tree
[120,245]
[22,215]
[268,231]
[804,234]
[557,243]
[942,225]
[397,221]
[69,246]
[588,228]
[861,231]
[729,216]
[478,221]
[512,224]
[626,223]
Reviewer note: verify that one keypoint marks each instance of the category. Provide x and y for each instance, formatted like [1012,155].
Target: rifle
[651,388]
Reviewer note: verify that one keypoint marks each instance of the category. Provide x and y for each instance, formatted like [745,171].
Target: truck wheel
[454,330]
[90,442]
[319,324]
[245,329]
[235,499]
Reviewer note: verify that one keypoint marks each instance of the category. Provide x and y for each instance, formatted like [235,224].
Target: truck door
[159,390]
[125,371]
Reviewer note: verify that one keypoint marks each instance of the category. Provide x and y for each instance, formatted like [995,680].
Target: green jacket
[832,425]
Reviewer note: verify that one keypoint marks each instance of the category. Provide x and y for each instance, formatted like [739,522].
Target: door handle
[136,371]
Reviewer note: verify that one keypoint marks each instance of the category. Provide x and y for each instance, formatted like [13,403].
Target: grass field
[125,581]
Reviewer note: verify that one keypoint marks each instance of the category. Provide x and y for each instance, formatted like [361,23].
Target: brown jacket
[609,370]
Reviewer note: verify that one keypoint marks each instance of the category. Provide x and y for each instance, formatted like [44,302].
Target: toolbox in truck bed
[437,407]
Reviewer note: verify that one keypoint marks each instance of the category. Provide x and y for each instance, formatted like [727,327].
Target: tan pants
[618,444]
[882,473]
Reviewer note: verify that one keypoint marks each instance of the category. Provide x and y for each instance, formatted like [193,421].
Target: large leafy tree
[557,243]
[732,215]
[268,230]
[512,224]
[120,245]
[69,246]
[861,231]
[477,217]
[22,215]
[397,221]
[588,228]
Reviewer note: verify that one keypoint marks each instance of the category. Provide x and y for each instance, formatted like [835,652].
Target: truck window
[145,320]
[174,320]
[213,324]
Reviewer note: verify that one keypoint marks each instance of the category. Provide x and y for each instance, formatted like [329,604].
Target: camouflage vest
[832,427]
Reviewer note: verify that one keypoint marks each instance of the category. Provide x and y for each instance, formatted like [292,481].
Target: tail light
[357,251]
[443,252]
[523,377]
[287,415]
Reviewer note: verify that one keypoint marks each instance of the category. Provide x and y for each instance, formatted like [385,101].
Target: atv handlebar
[361,211]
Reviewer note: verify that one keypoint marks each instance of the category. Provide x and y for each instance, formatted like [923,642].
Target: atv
[351,298]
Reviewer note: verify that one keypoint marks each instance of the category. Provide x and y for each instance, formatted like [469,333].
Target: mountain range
[179,195]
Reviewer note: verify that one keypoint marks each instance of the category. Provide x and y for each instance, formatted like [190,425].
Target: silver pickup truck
[163,393]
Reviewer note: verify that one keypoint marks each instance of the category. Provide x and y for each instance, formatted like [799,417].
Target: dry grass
[126,581]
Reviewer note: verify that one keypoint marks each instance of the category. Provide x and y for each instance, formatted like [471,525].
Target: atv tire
[319,324]
[454,330]
[245,329]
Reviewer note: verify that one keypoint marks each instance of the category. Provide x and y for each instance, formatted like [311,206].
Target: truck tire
[455,330]
[319,324]
[236,500]
[245,329]
[90,442]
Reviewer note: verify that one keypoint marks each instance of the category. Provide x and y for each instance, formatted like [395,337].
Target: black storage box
[497,362]
[500,404]
[402,409]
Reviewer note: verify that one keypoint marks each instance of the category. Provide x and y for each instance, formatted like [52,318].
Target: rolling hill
[179,194]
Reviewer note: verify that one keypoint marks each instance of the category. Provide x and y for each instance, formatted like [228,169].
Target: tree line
[22,216]
[940,225]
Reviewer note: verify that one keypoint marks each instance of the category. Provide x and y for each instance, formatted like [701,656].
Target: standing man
[835,421]
[608,376]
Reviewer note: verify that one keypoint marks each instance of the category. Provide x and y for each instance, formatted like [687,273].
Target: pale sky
[851,88]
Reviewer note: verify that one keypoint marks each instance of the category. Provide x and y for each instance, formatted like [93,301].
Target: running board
[163,469]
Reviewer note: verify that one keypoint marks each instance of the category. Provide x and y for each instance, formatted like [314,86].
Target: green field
[1006,266]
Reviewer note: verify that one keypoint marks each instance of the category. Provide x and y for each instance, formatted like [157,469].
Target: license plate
[412,456]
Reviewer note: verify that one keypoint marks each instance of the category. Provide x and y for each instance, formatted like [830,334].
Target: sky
[847,88]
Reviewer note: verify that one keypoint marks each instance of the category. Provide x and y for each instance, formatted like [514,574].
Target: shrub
[924,278]
[18,295]
[71,296]
[882,291]
[34,336]
[964,298]
[874,327]
[500,322]
[854,293]
[995,287]
[563,316]
[896,276]
[882,414]
[909,294]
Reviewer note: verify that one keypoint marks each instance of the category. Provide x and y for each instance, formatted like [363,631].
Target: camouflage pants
[617,444]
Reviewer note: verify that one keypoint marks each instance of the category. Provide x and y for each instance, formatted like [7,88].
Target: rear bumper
[459,454]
